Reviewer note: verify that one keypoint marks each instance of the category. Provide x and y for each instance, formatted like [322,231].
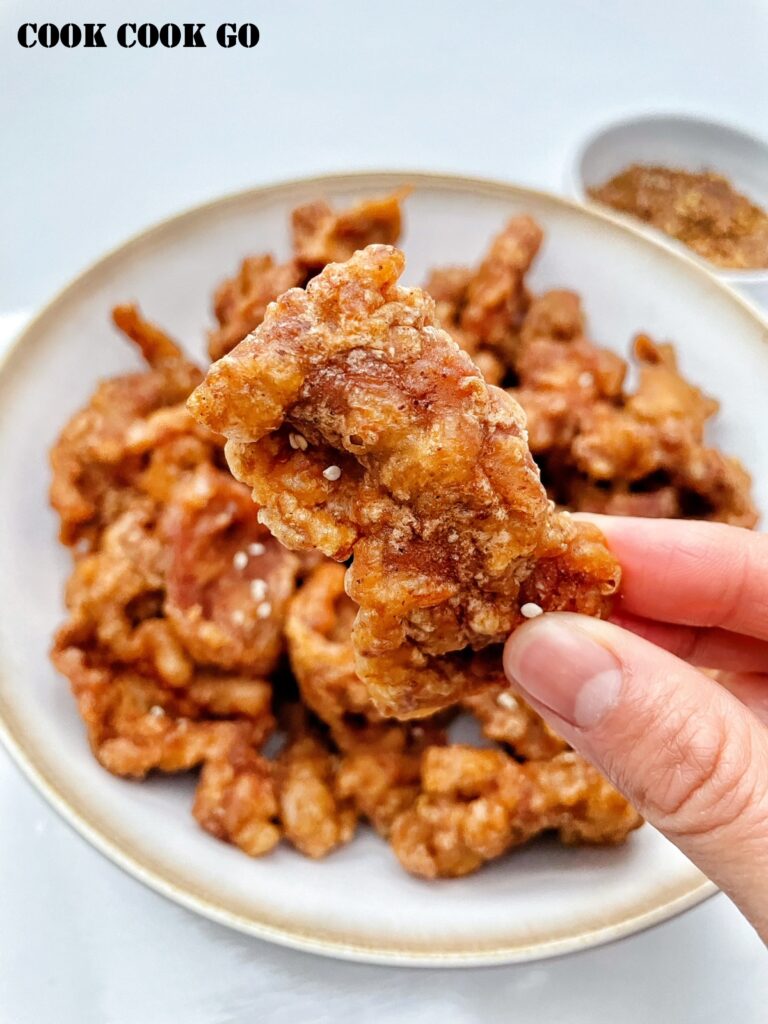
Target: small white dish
[681,141]
[358,904]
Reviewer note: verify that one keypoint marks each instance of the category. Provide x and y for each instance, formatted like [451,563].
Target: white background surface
[96,144]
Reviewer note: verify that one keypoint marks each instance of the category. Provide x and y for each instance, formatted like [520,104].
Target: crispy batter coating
[136,724]
[115,600]
[507,719]
[228,580]
[166,671]
[381,763]
[236,800]
[364,429]
[560,372]
[94,463]
[496,297]
[382,777]
[448,287]
[483,309]
[322,235]
[240,302]
[318,630]
[316,817]
[205,584]
[600,449]
[641,453]
[478,804]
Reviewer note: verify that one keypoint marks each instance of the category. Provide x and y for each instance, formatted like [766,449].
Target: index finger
[691,573]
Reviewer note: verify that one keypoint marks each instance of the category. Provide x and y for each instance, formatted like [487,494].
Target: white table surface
[97,144]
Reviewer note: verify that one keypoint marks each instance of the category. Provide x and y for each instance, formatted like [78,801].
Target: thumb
[685,752]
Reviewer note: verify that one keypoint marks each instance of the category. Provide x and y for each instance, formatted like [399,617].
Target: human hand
[689,752]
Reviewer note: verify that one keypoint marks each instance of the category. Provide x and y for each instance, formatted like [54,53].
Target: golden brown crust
[507,719]
[136,724]
[228,581]
[318,631]
[97,459]
[322,235]
[382,778]
[448,287]
[496,298]
[165,653]
[636,453]
[236,800]
[315,815]
[478,804]
[240,302]
[363,428]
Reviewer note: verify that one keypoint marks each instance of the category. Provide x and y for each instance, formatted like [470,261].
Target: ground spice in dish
[702,210]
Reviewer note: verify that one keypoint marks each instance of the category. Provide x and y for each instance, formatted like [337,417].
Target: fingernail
[558,664]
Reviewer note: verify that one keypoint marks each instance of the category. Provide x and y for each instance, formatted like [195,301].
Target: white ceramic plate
[358,904]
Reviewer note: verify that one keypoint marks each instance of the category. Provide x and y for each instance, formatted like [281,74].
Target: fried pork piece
[94,466]
[240,302]
[172,446]
[364,429]
[228,580]
[496,298]
[382,776]
[319,633]
[316,816]
[236,800]
[448,287]
[478,804]
[136,724]
[379,772]
[651,450]
[483,309]
[115,600]
[560,372]
[322,235]
[318,630]
[204,584]
[506,718]
[603,450]
[657,426]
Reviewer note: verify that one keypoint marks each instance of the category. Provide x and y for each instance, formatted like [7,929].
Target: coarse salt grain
[156,711]
[507,700]
[586,379]
[531,610]
[332,473]
[297,442]
[258,589]
[264,610]
[256,549]
[238,616]
[240,560]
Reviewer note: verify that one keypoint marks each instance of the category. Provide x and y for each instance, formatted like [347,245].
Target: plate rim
[134,863]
